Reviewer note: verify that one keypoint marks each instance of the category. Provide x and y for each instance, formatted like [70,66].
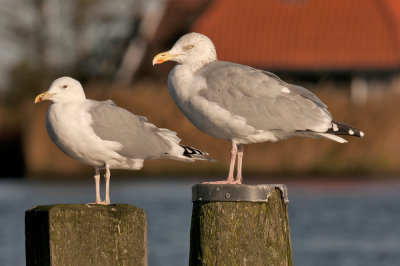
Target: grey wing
[140,140]
[264,100]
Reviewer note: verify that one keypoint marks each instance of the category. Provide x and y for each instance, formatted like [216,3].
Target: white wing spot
[361,134]
[351,132]
[335,127]
[285,90]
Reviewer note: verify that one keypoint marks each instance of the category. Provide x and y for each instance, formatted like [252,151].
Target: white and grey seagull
[243,104]
[106,136]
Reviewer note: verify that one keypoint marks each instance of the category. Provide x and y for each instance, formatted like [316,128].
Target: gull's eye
[64,86]
[189,46]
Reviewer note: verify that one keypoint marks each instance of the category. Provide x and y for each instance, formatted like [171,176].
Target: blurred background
[346,51]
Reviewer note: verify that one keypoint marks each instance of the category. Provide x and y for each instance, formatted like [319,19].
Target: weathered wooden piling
[75,234]
[240,225]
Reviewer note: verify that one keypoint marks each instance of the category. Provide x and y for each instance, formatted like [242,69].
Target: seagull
[105,136]
[243,104]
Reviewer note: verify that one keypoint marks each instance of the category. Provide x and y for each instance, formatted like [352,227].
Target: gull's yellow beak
[43,96]
[162,57]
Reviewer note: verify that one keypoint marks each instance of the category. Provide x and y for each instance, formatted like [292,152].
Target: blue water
[334,224]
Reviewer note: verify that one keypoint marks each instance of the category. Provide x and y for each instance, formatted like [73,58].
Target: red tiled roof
[305,34]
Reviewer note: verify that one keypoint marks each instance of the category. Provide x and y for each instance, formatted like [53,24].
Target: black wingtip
[339,128]
[190,151]
[194,153]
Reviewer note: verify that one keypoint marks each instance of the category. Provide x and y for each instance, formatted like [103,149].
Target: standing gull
[243,104]
[106,136]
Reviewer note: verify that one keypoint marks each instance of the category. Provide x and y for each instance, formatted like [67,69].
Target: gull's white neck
[71,99]
[193,67]
[183,83]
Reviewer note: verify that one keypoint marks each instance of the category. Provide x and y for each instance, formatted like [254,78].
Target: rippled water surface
[331,223]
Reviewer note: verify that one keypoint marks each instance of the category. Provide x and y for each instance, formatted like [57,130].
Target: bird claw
[104,202]
[97,203]
[231,182]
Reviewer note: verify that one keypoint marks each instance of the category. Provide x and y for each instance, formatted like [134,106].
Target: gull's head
[63,89]
[193,49]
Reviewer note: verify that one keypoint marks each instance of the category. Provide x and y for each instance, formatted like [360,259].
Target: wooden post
[75,234]
[240,225]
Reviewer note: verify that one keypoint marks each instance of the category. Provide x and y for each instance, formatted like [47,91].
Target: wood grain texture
[74,234]
[241,233]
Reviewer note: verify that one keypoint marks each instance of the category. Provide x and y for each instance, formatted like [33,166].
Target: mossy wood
[77,234]
[241,232]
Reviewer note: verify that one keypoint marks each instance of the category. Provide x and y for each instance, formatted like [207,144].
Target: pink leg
[97,181]
[230,179]
[97,185]
[232,164]
[239,165]
[107,177]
